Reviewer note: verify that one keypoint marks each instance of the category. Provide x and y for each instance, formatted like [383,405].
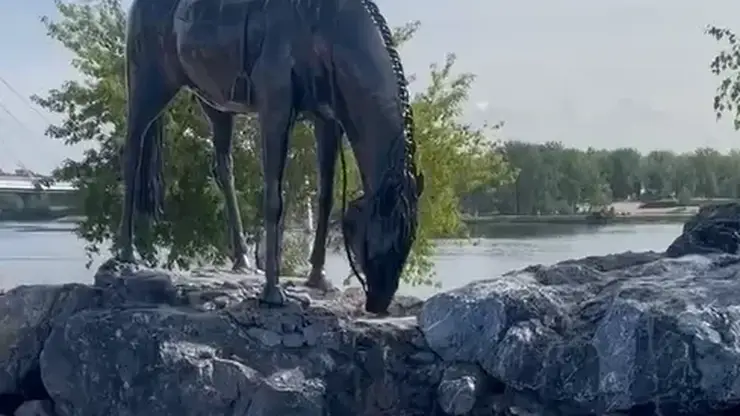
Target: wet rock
[151,342]
[652,331]
[266,337]
[293,340]
[36,408]
[145,362]
[714,229]
[289,392]
[28,315]
[631,333]
[459,389]
[729,211]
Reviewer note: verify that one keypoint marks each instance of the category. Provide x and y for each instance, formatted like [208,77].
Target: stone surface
[459,388]
[151,342]
[28,315]
[602,334]
[632,333]
[289,392]
[714,229]
[36,408]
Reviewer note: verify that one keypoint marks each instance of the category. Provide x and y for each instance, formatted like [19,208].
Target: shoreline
[574,219]
[578,219]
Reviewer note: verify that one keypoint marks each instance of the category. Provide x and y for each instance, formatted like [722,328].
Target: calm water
[35,254]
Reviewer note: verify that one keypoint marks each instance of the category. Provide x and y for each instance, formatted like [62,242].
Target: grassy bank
[578,219]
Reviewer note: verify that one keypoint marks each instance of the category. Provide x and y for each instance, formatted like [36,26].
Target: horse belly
[211,44]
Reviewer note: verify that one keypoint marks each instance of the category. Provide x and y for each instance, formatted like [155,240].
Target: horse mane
[403,92]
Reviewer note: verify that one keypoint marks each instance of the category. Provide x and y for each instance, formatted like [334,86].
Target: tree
[552,179]
[706,163]
[93,112]
[726,65]
[621,172]
[657,170]
[456,159]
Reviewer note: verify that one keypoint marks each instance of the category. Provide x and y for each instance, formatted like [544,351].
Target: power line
[23,125]
[8,150]
[25,100]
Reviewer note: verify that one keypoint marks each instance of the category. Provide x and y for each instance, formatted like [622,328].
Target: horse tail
[150,186]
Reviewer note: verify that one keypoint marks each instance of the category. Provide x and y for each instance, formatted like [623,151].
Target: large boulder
[27,316]
[635,331]
[714,229]
[159,343]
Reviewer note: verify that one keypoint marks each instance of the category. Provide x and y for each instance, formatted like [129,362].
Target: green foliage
[454,157]
[552,179]
[684,196]
[726,65]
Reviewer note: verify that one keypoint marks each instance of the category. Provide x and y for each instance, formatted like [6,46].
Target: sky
[606,74]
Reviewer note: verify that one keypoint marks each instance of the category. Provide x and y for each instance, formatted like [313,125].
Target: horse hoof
[273,295]
[317,280]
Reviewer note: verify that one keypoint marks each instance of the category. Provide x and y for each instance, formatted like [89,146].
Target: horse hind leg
[148,96]
[222,126]
[328,135]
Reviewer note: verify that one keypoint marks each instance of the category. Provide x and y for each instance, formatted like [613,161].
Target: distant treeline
[553,179]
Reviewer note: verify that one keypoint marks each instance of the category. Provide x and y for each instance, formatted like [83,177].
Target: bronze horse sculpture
[331,60]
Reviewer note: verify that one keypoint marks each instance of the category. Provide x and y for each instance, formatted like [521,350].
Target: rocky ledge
[634,333]
[625,334]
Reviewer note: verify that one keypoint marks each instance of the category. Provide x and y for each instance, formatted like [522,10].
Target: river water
[43,254]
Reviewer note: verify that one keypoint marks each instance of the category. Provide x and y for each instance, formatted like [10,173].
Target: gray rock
[293,340]
[423,357]
[289,393]
[145,362]
[312,333]
[36,408]
[147,343]
[267,338]
[459,389]
[709,212]
[642,331]
[600,335]
[28,315]
[714,229]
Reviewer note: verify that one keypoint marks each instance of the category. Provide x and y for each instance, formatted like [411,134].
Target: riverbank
[576,219]
[626,212]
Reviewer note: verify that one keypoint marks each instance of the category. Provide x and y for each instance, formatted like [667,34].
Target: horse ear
[419,184]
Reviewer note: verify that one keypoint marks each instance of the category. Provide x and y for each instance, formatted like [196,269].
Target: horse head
[380,231]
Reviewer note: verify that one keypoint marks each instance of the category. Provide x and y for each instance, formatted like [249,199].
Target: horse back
[217,43]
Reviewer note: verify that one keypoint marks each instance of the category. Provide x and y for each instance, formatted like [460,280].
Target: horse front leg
[222,126]
[277,117]
[328,136]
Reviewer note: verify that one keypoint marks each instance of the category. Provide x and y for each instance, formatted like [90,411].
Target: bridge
[28,197]
[22,184]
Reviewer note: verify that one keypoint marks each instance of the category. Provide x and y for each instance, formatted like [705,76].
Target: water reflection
[531,230]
